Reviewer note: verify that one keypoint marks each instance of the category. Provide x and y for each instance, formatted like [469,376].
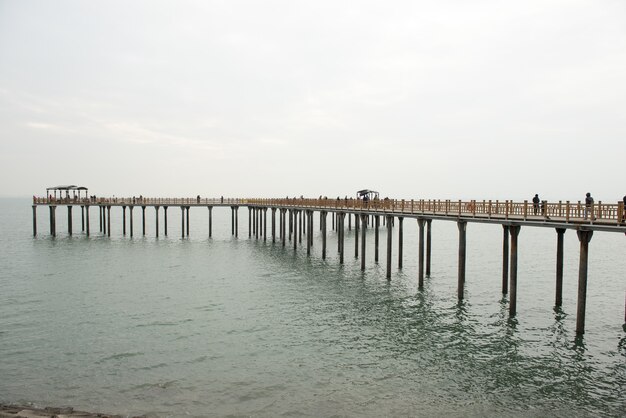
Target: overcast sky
[416,99]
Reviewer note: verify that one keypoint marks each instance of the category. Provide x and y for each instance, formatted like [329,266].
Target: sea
[243,327]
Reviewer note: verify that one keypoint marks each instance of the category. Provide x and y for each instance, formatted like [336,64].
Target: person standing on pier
[588,205]
[536,204]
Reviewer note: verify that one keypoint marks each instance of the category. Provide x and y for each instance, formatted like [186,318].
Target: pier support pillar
[264,224]
[349,223]
[273,225]
[376,226]
[249,222]
[584,237]
[363,230]
[124,220]
[165,220]
[514,232]
[232,220]
[87,219]
[356,235]
[143,220]
[309,225]
[420,276]
[389,240]
[156,214]
[283,213]
[82,218]
[400,239]
[505,259]
[53,221]
[428,242]
[323,226]
[560,232]
[130,215]
[34,220]
[182,221]
[461,268]
[340,236]
[109,221]
[210,208]
[69,219]
[187,220]
[100,213]
[104,220]
[295,229]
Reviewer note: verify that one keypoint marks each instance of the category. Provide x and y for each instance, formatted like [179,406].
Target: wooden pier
[296,217]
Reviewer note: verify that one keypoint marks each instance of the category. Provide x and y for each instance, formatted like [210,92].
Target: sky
[415,99]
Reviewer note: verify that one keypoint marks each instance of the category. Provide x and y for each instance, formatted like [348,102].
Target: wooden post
[87,219]
[400,239]
[69,220]
[420,223]
[559,266]
[505,259]
[156,213]
[428,242]
[584,237]
[165,220]
[389,238]
[376,226]
[514,231]
[462,225]
[363,230]
[210,208]
[34,220]
[130,209]
[143,220]
[109,221]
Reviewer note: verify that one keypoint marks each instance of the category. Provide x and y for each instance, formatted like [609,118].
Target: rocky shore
[19,411]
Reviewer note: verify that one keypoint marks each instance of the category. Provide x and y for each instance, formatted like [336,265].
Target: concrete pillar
[400,239]
[340,236]
[461,270]
[82,218]
[249,222]
[514,232]
[356,235]
[363,236]
[290,223]
[309,224]
[143,220]
[53,221]
[104,220]
[389,238]
[109,221]
[236,221]
[264,224]
[428,242]
[323,226]
[182,221]
[156,214]
[584,237]
[100,213]
[187,220]
[376,226]
[165,220]
[273,225]
[211,220]
[34,220]
[130,216]
[87,219]
[284,226]
[295,231]
[420,224]
[349,223]
[124,220]
[560,232]
[69,220]
[505,259]
[232,220]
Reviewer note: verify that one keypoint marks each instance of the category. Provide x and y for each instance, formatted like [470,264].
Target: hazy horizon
[442,100]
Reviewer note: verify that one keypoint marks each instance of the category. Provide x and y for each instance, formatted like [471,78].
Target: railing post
[525,209]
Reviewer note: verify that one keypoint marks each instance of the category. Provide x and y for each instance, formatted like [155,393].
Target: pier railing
[561,211]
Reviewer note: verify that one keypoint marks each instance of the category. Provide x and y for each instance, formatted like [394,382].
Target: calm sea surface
[240,327]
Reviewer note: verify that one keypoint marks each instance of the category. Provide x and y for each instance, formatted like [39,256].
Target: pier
[297,217]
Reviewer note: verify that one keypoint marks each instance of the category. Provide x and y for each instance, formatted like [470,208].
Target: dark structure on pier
[296,218]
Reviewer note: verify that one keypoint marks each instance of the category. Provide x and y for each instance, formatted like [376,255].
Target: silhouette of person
[536,204]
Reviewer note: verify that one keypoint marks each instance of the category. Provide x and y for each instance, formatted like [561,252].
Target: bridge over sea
[296,217]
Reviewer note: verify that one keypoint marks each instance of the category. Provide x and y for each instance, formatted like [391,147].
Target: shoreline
[24,411]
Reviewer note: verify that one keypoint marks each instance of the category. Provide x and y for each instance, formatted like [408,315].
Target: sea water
[227,326]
